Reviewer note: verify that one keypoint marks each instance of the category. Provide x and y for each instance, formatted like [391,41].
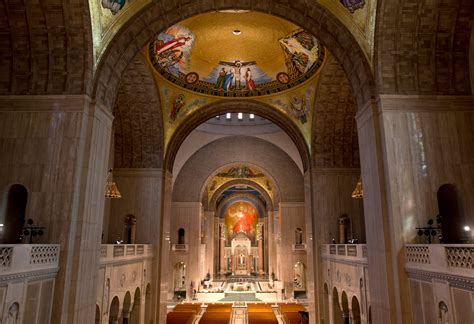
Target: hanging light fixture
[358,192]
[111,190]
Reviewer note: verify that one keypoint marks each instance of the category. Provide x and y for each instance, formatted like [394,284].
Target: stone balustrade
[20,259]
[124,252]
[298,247]
[447,259]
[345,252]
[180,247]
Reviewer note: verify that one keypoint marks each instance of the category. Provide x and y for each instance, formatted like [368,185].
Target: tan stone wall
[238,149]
[291,216]
[141,196]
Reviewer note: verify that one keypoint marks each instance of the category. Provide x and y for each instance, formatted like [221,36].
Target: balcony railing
[299,247]
[23,258]
[348,252]
[124,252]
[180,247]
[452,259]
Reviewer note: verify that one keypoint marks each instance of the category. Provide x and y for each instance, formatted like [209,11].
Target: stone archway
[156,17]
[244,106]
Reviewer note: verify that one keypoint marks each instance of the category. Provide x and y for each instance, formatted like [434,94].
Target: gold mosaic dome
[236,54]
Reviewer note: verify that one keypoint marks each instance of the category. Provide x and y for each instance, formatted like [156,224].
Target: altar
[241,248]
[241,255]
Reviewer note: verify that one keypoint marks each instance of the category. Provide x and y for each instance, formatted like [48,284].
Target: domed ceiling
[236,54]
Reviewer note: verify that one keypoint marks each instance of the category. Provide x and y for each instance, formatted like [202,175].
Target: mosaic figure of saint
[249,83]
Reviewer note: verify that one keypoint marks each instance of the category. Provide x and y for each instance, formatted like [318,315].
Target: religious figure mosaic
[242,217]
[175,54]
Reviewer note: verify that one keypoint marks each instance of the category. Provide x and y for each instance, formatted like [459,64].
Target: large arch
[157,16]
[253,150]
[213,200]
[233,106]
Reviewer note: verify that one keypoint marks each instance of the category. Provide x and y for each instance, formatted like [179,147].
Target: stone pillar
[331,308]
[210,234]
[62,161]
[142,307]
[260,248]
[162,270]
[380,253]
[271,243]
[222,259]
[410,146]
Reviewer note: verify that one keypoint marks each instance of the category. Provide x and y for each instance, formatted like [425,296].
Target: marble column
[209,240]
[410,146]
[385,305]
[162,270]
[260,248]
[331,308]
[57,147]
[222,259]
[271,237]
[142,307]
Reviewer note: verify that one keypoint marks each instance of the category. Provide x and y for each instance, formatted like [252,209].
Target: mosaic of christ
[240,54]
[241,217]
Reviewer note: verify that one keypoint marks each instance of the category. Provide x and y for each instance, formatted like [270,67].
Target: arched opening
[449,209]
[443,313]
[345,308]
[148,308]
[127,303]
[370,315]
[181,239]
[180,280]
[130,225]
[236,106]
[229,106]
[338,318]
[325,312]
[97,315]
[299,281]
[13,314]
[114,311]
[13,218]
[299,236]
[355,311]
[135,314]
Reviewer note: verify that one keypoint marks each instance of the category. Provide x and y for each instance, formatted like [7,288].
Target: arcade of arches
[235,161]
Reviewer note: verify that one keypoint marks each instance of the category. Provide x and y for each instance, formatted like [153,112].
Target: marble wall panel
[141,196]
[291,217]
[57,147]
[332,189]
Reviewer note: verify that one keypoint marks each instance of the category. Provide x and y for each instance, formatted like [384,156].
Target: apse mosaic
[239,217]
[240,172]
[251,54]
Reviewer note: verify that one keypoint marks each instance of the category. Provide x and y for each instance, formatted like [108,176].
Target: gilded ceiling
[220,55]
[233,54]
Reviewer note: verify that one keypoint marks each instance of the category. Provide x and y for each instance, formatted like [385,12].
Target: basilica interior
[216,161]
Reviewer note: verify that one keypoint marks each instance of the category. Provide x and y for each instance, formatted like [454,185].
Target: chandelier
[358,192]
[111,190]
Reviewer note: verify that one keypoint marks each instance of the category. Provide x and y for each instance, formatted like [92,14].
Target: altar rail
[23,258]
[452,259]
[346,252]
[124,252]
